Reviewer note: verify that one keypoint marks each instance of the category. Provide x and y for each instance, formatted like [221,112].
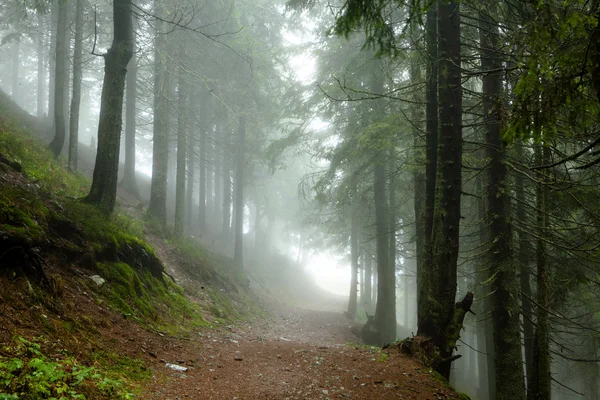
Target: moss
[160,304]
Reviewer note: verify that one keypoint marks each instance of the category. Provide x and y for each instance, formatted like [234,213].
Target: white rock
[98,280]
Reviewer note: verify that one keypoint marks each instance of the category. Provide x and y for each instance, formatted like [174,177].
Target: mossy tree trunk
[103,192]
[76,97]
[238,256]
[157,208]
[60,78]
[438,317]
[504,283]
[226,229]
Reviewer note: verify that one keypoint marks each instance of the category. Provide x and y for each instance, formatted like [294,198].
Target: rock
[238,356]
[325,391]
[176,367]
[98,280]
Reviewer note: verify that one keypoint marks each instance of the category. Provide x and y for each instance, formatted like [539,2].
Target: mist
[409,169]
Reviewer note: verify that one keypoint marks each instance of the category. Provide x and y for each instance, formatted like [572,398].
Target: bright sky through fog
[329,274]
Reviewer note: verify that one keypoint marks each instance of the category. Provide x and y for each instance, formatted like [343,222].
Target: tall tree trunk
[385,308]
[523,258]
[160,137]
[181,145]
[41,66]
[52,60]
[60,81]
[16,66]
[504,284]
[76,98]
[238,259]
[189,202]
[485,327]
[418,153]
[226,230]
[437,319]
[202,165]
[353,299]
[431,149]
[368,279]
[103,192]
[129,181]
[218,175]
[541,379]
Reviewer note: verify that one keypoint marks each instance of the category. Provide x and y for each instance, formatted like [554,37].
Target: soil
[297,354]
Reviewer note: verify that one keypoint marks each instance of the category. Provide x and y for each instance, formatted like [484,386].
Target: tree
[60,80]
[129,181]
[238,256]
[160,135]
[505,285]
[181,145]
[76,98]
[104,184]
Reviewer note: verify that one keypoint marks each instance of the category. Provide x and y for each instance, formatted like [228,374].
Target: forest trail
[298,353]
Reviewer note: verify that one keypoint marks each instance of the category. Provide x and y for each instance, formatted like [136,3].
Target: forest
[428,169]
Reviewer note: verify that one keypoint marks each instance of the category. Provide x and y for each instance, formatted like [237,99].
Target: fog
[263,99]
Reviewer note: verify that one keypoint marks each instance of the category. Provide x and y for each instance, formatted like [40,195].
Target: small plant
[29,374]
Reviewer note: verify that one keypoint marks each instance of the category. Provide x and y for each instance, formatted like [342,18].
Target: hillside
[95,307]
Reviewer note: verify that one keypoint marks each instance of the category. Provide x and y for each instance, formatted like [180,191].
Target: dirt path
[298,354]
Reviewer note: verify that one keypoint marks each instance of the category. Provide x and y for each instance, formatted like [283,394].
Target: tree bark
[129,181]
[438,315]
[60,81]
[431,149]
[76,98]
[353,299]
[157,208]
[504,284]
[202,165]
[524,256]
[238,259]
[103,192]
[541,379]
[181,145]
[41,67]
[226,230]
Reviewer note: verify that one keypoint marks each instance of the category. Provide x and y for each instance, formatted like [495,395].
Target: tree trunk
[104,184]
[52,60]
[238,260]
[227,187]
[41,67]
[181,145]
[60,81]
[368,284]
[202,165]
[189,203]
[437,318]
[157,208]
[16,66]
[419,153]
[129,181]
[353,299]
[431,149]
[218,175]
[504,284]
[523,258]
[76,98]
[541,379]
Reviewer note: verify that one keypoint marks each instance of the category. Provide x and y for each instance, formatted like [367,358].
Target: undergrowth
[27,374]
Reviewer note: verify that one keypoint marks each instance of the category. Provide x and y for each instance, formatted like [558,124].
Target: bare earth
[298,354]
